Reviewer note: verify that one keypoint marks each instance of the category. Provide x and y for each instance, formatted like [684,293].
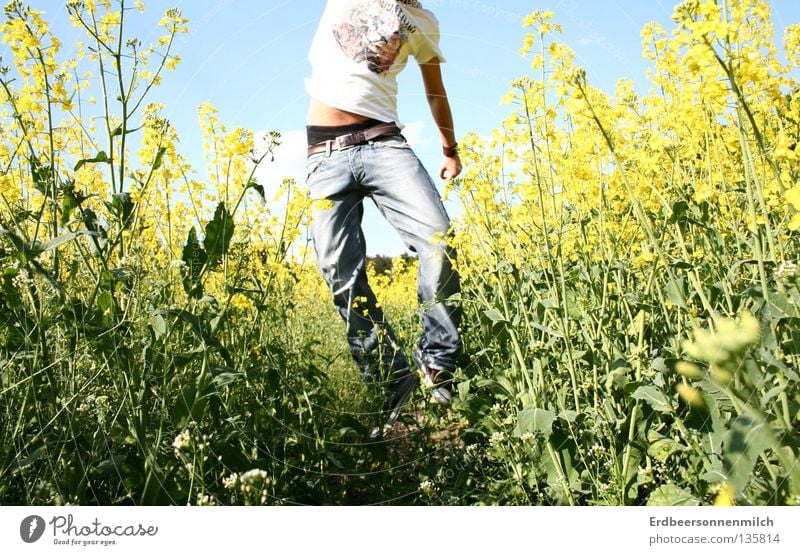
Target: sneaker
[399,393]
[436,379]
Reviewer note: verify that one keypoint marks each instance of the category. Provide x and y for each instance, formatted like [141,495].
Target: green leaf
[60,240]
[105,301]
[463,389]
[494,315]
[188,406]
[68,205]
[568,415]
[22,463]
[216,321]
[42,176]
[676,292]
[258,188]
[672,496]
[721,400]
[654,397]
[159,325]
[181,360]
[122,207]
[105,304]
[661,449]
[632,476]
[110,467]
[224,375]
[744,443]
[195,257]
[193,321]
[637,323]
[219,232]
[782,306]
[678,213]
[101,157]
[545,329]
[535,420]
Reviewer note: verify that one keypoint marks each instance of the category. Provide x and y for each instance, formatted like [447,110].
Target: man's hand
[451,167]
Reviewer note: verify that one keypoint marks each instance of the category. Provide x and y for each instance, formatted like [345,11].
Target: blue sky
[249,58]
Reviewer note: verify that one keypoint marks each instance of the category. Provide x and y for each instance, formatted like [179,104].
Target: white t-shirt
[361,46]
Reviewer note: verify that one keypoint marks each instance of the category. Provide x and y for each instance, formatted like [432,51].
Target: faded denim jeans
[388,171]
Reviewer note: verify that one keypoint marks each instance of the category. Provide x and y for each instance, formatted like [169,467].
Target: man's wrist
[450,151]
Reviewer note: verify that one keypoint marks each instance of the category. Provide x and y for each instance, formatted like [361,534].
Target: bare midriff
[322,114]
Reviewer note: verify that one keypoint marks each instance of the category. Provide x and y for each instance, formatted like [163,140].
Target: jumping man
[356,150]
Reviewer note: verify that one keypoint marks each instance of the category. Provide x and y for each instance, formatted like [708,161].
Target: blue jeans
[388,171]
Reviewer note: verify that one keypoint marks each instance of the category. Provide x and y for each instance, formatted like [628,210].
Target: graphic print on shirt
[373,32]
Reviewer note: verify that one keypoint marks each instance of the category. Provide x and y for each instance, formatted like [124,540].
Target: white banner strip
[399,530]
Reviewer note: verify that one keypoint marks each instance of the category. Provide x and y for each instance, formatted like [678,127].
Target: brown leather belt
[354,139]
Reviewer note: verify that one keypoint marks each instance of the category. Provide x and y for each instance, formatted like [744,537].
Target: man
[355,151]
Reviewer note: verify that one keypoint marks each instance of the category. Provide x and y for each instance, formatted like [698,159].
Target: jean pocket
[392,141]
[313,164]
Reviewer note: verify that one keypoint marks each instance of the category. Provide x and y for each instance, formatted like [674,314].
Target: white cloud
[414,132]
[290,161]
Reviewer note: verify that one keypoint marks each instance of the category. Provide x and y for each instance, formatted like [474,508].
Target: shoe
[399,393]
[435,379]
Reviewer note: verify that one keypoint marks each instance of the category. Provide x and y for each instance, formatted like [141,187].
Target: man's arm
[440,109]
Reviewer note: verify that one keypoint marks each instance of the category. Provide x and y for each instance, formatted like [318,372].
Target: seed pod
[689,370]
[691,395]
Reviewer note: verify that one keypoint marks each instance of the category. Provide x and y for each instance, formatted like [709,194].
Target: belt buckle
[351,139]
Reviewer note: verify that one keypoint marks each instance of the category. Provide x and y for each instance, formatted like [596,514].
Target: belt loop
[328,149]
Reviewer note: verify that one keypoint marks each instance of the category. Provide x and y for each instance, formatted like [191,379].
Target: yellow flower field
[630,288]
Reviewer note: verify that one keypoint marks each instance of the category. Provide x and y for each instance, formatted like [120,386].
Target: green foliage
[219,232]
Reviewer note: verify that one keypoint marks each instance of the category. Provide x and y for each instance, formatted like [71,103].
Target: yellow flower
[172,62]
[725,496]
[793,196]
[690,394]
